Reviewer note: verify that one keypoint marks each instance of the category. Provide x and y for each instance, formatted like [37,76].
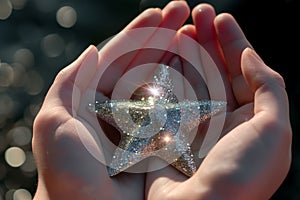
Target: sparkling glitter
[157,125]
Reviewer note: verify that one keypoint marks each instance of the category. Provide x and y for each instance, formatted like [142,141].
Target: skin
[249,162]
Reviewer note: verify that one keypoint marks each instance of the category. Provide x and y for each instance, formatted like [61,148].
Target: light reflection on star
[156,125]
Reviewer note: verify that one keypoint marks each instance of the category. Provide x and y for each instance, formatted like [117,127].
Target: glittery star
[156,125]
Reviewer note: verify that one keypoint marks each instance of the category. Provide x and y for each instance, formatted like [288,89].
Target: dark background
[34,47]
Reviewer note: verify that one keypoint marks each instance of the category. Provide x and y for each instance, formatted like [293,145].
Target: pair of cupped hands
[250,161]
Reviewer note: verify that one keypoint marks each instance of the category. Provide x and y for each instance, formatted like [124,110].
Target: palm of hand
[67,170]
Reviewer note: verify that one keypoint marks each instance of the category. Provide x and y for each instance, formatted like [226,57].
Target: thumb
[82,70]
[268,86]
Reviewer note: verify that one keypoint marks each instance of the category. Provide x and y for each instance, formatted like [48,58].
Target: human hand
[66,169]
[253,157]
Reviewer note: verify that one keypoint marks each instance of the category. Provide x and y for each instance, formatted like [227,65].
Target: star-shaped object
[155,125]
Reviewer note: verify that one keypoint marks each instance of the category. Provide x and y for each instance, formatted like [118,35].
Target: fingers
[126,51]
[189,30]
[268,87]
[271,109]
[151,17]
[78,73]
[192,67]
[58,100]
[87,69]
[203,17]
[172,16]
[233,42]
[122,44]
[60,93]
[192,61]
[70,72]
[242,159]
[175,14]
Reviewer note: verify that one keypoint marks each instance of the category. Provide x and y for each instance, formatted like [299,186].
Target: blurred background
[39,38]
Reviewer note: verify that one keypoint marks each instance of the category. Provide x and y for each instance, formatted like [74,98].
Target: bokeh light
[66,16]
[35,83]
[53,45]
[24,57]
[20,77]
[10,194]
[15,156]
[21,135]
[5,9]
[22,194]
[6,75]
